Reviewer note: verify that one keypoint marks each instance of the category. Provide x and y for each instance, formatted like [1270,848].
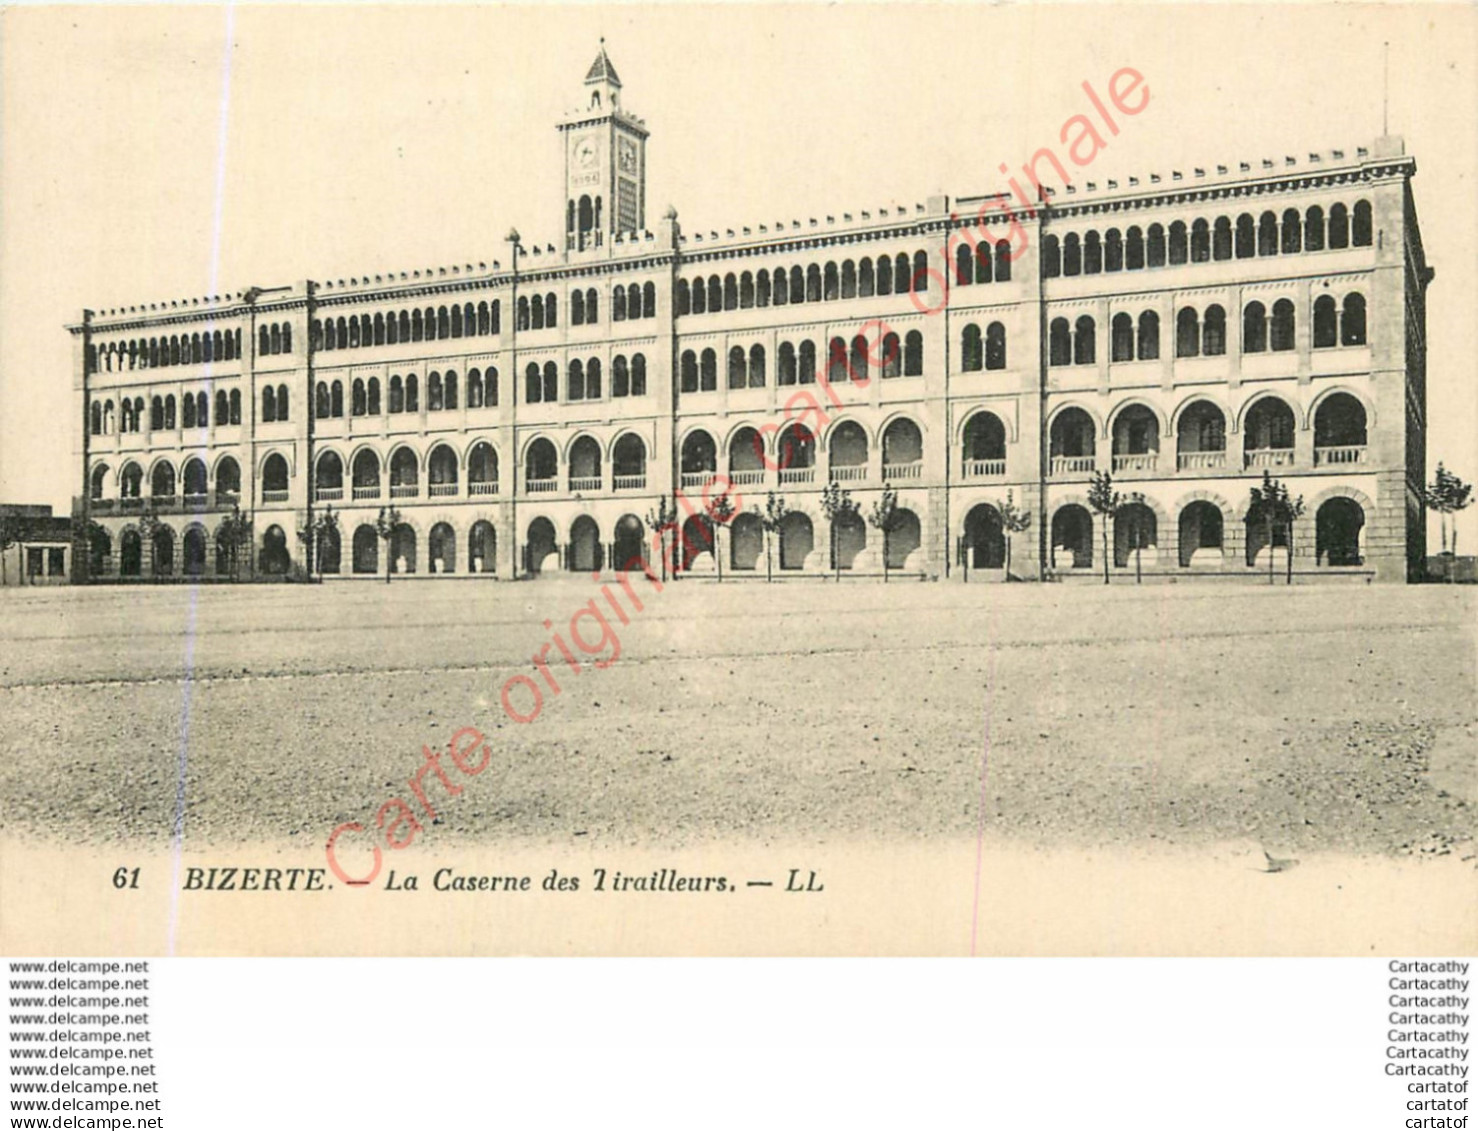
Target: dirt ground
[1307,719]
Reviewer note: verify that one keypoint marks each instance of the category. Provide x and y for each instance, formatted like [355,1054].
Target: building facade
[1186,335]
[35,545]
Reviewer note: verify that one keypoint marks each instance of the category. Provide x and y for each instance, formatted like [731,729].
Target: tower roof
[603,70]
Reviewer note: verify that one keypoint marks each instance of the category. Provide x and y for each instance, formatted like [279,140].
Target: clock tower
[605,163]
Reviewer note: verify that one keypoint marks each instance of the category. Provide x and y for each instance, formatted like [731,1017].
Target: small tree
[315,534]
[835,504]
[720,511]
[771,518]
[660,521]
[884,517]
[1447,496]
[234,532]
[385,524]
[1015,520]
[1271,505]
[1106,503]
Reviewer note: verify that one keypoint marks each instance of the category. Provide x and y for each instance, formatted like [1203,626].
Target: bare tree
[884,517]
[660,521]
[771,518]
[836,503]
[1106,502]
[1015,520]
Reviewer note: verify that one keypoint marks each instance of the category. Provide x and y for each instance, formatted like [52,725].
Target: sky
[152,153]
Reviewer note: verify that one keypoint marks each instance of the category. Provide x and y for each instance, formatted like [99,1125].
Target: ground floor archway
[985,537]
[441,549]
[1339,527]
[366,549]
[585,547]
[482,548]
[797,540]
[1201,528]
[1072,538]
[746,542]
[540,544]
[905,537]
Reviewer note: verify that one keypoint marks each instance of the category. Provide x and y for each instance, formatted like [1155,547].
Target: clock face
[585,153]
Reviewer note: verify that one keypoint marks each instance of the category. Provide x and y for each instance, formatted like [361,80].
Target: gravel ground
[1308,719]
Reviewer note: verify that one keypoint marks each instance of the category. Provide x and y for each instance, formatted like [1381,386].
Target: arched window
[269,405]
[1084,347]
[708,371]
[235,406]
[1200,242]
[536,312]
[1072,255]
[1156,249]
[592,306]
[913,354]
[282,413]
[638,375]
[1221,239]
[836,361]
[965,266]
[1149,336]
[849,279]
[533,389]
[379,338]
[683,298]
[885,275]
[813,283]
[1178,244]
[577,308]
[551,382]
[449,389]
[1214,332]
[1003,261]
[592,379]
[1246,236]
[1339,227]
[1059,343]
[746,291]
[353,332]
[1134,249]
[1051,257]
[995,346]
[780,288]
[761,294]
[756,367]
[1254,328]
[358,405]
[373,406]
[456,321]
[1113,250]
[397,394]
[786,374]
[1314,229]
[1292,232]
[1092,254]
[1361,229]
[575,383]
[474,389]
[731,292]
[620,377]
[95,411]
[972,349]
[444,327]
[484,325]
[688,372]
[418,329]
[412,393]
[1326,330]
[222,407]
[264,340]
[1187,333]
[649,300]
[1352,320]
[405,327]
[187,411]
[737,375]
[434,399]
[320,401]
[1121,338]
[1282,325]
[857,368]
[715,294]
[700,297]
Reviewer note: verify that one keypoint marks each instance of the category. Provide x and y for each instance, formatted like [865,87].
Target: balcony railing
[630,482]
[1268,457]
[585,483]
[164,502]
[541,486]
[984,468]
[914,470]
[1072,465]
[1136,461]
[196,501]
[404,490]
[696,478]
[274,496]
[441,490]
[133,503]
[1200,461]
[227,498]
[488,488]
[797,475]
[1348,453]
[329,494]
[849,473]
[366,491]
[749,477]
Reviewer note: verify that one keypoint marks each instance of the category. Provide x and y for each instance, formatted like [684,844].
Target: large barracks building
[1186,333]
